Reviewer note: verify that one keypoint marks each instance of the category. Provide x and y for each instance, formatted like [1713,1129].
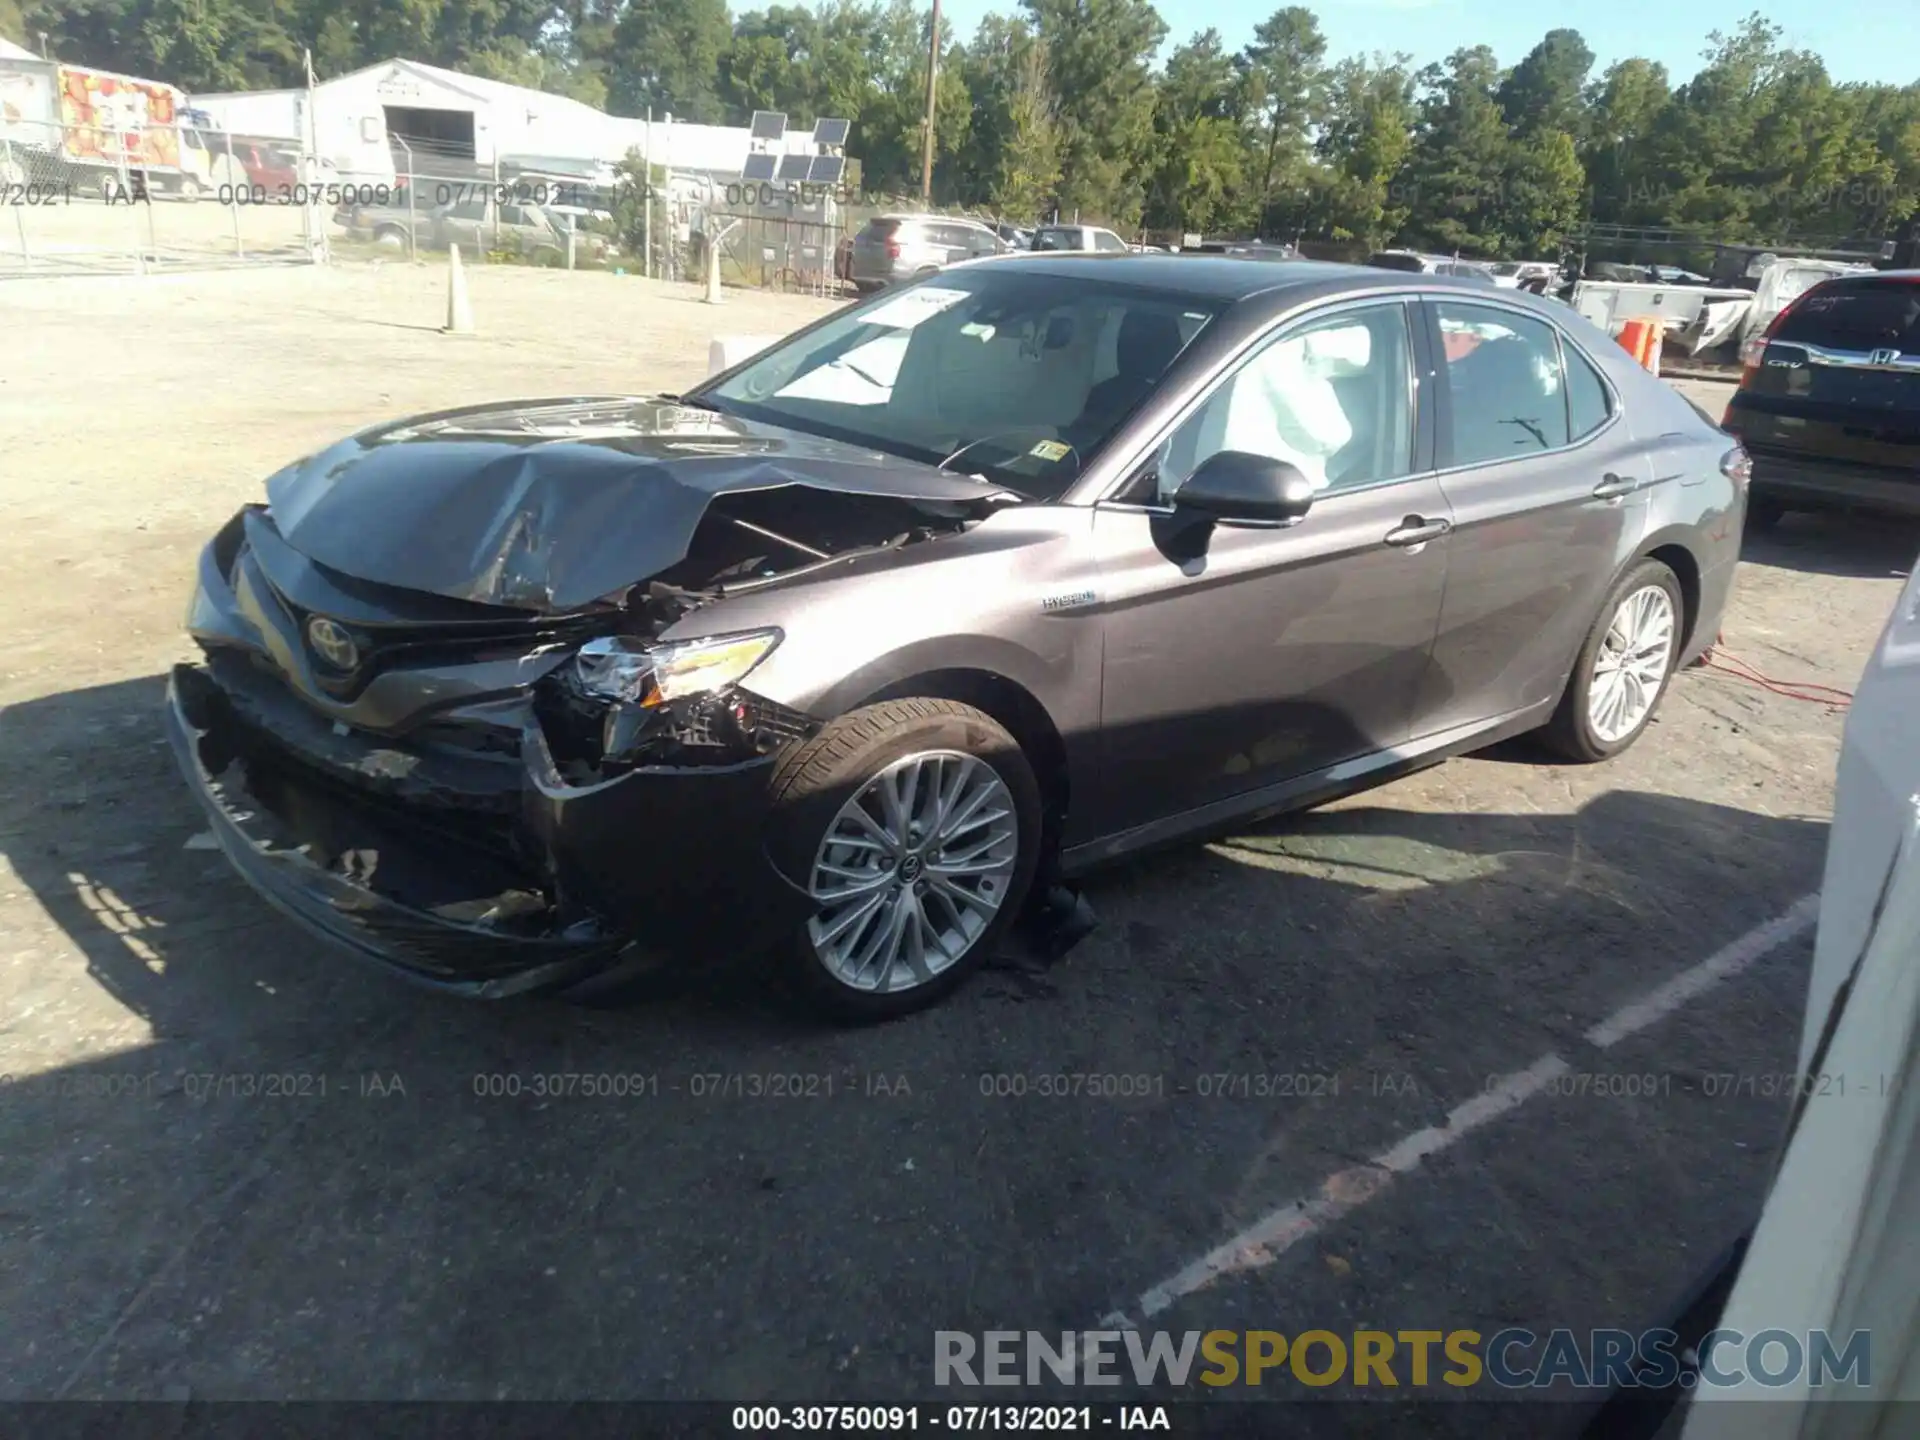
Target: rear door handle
[1416,530]
[1612,487]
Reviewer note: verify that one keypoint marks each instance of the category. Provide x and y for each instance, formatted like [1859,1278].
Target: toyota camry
[842,656]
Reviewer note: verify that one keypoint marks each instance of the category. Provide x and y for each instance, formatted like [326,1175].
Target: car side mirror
[1236,487]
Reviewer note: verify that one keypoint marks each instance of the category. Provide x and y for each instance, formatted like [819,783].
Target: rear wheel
[915,826]
[1623,667]
[189,189]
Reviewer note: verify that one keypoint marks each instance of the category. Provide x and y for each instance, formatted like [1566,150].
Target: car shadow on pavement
[1833,543]
[252,1168]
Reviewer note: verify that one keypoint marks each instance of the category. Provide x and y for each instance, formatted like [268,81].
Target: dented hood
[552,504]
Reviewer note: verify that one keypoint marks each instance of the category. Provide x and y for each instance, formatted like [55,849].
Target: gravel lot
[403,1236]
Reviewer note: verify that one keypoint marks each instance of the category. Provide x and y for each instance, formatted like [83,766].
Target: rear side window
[1588,403]
[1843,315]
[1506,384]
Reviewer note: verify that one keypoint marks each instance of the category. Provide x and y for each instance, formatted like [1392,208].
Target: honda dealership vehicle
[965,588]
[1829,399]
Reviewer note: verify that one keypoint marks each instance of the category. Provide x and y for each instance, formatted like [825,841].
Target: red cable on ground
[1718,659]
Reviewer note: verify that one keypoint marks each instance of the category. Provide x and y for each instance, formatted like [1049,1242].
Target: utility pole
[933,82]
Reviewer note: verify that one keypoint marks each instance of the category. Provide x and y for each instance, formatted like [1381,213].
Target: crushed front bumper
[484,899]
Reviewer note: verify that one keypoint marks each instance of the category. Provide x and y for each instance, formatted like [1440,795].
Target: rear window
[1394,262]
[883,229]
[1851,315]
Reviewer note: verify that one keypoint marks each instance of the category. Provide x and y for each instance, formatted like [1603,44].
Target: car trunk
[1839,378]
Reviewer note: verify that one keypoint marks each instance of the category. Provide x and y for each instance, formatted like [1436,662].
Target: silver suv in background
[893,248]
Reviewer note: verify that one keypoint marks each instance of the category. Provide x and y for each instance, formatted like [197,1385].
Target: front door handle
[1416,530]
[1612,487]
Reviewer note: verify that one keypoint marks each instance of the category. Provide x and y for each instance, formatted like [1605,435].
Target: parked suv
[901,247]
[1829,400]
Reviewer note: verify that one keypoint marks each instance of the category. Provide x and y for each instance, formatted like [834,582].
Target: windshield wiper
[696,402]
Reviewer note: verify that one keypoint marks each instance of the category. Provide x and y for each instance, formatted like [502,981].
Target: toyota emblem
[332,643]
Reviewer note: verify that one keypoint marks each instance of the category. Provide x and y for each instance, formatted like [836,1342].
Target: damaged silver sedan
[852,651]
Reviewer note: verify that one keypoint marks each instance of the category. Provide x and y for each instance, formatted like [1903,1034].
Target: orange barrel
[1634,337]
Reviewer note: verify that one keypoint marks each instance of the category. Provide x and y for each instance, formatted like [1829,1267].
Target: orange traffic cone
[1634,336]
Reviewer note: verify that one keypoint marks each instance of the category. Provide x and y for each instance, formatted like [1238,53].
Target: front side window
[1330,396]
[1017,377]
[1503,373]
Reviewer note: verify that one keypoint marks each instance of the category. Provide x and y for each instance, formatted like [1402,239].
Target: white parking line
[1721,965]
[1345,1191]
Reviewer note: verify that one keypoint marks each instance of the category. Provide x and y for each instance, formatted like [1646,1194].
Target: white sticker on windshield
[903,312]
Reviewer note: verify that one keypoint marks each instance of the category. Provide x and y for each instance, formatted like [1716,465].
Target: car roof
[1213,277]
[903,218]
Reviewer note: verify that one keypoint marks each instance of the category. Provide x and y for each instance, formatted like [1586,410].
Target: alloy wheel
[1631,664]
[912,871]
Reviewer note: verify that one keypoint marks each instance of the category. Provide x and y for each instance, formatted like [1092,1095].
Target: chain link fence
[83,200]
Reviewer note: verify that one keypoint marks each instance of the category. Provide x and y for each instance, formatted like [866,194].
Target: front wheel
[915,826]
[1623,667]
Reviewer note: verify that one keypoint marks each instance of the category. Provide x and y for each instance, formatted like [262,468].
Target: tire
[1763,513]
[391,238]
[189,189]
[915,746]
[1573,732]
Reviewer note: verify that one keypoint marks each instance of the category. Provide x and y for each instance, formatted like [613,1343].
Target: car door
[1275,653]
[1549,491]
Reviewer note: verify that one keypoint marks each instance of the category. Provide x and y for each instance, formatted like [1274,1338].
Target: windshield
[1016,377]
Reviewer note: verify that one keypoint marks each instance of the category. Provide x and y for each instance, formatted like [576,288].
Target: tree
[1545,90]
[1197,178]
[666,54]
[1028,165]
[1462,155]
[1099,52]
[1286,69]
[1363,149]
[1623,110]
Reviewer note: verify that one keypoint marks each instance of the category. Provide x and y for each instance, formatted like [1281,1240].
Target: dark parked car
[960,590]
[1829,400]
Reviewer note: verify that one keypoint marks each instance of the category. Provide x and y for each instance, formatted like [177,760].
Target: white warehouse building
[362,121]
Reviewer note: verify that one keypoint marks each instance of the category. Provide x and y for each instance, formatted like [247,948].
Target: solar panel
[768,124]
[826,169]
[759,167]
[830,132]
[794,167]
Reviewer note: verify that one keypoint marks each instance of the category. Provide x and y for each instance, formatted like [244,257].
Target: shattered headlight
[619,669]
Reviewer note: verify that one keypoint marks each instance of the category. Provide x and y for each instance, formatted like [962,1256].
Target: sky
[1852,36]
